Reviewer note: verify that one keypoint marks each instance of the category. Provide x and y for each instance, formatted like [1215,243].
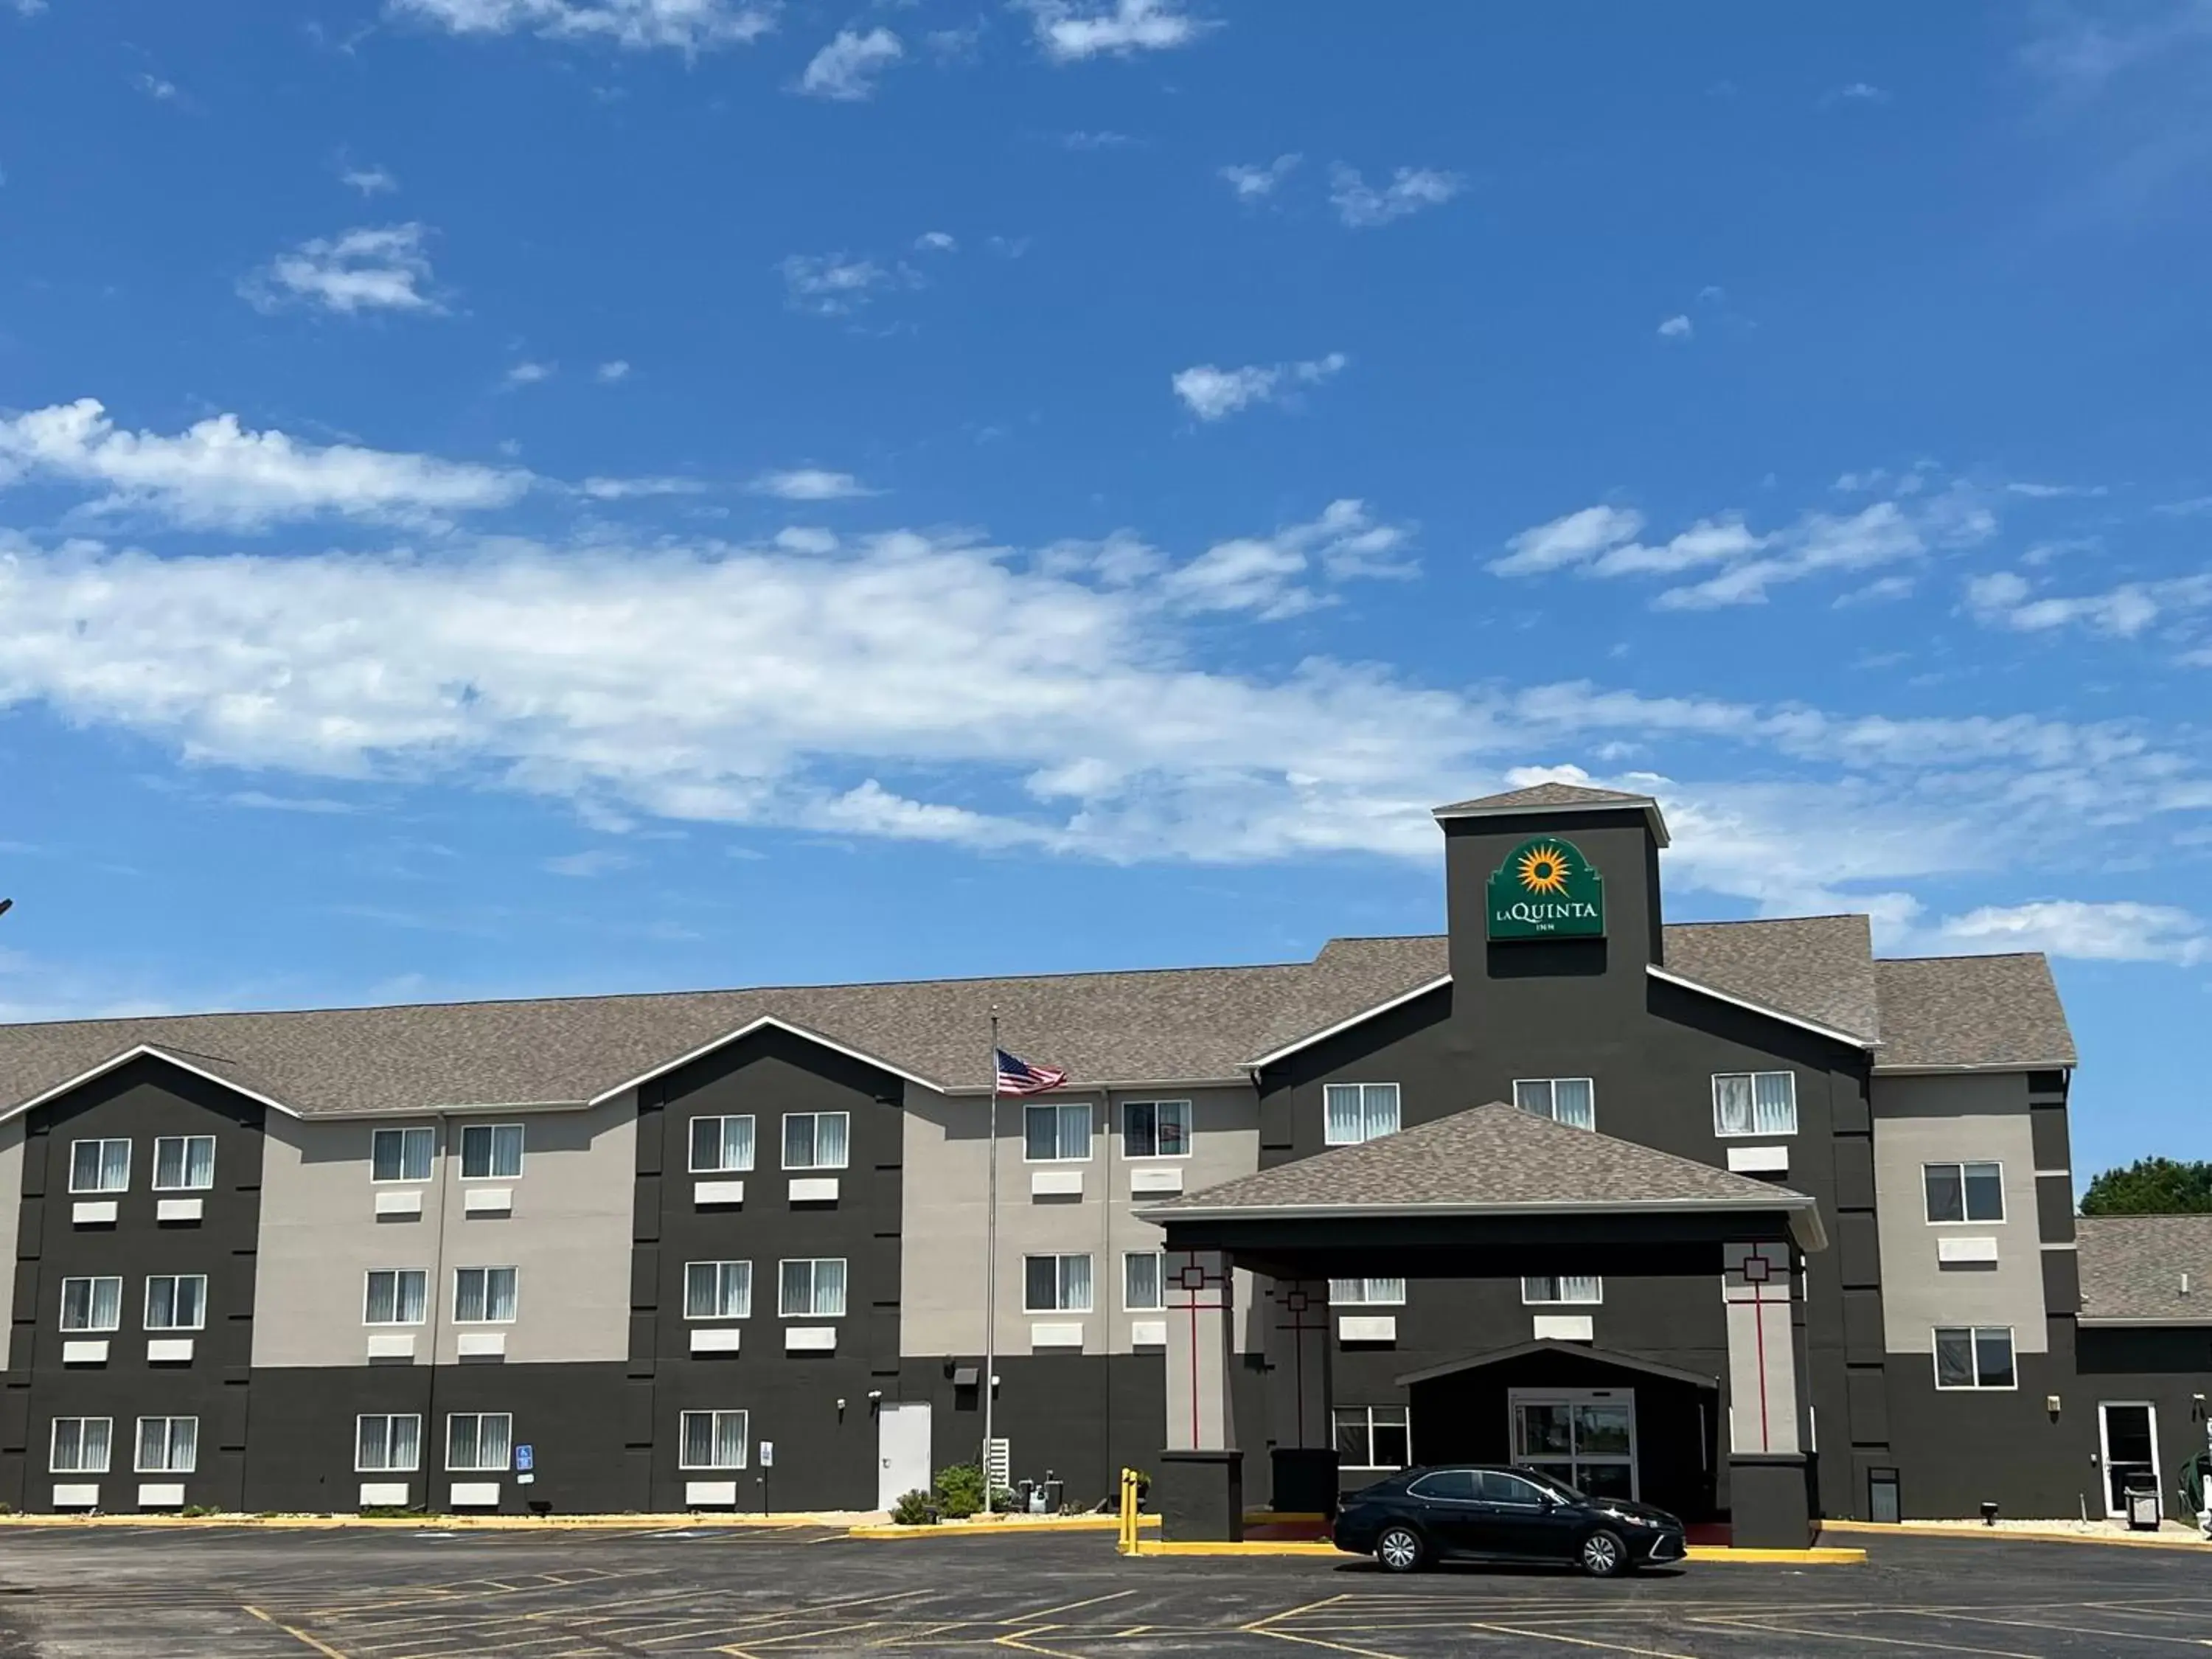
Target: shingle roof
[2132,1267]
[1537,796]
[1816,968]
[1941,1012]
[1488,1157]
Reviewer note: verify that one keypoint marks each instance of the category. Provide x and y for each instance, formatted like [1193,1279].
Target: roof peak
[1556,798]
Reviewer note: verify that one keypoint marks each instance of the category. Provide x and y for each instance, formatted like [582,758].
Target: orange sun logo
[1544,870]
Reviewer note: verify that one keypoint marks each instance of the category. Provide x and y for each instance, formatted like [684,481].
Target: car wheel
[1602,1555]
[1400,1549]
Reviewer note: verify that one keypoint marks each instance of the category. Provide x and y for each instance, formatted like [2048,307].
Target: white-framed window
[478,1442]
[92,1304]
[811,1288]
[483,1296]
[1055,1284]
[1056,1134]
[1156,1128]
[1366,1292]
[1353,1112]
[718,1289]
[176,1301]
[721,1146]
[100,1166]
[387,1442]
[1964,1191]
[711,1440]
[1568,1100]
[1143,1281]
[1543,1290]
[1372,1438]
[401,1154]
[168,1445]
[491,1151]
[1754,1102]
[817,1140]
[396,1296]
[1974,1357]
[183,1163]
[80,1445]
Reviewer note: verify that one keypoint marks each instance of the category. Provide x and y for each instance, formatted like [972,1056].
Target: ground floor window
[1586,1437]
[1372,1438]
[1583,1288]
[1974,1357]
[712,1440]
[80,1445]
[168,1445]
[388,1444]
[478,1442]
[1367,1293]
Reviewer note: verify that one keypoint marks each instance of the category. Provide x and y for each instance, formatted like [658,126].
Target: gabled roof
[1634,1362]
[1488,1160]
[1965,1013]
[2133,1267]
[1556,798]
[1813,968]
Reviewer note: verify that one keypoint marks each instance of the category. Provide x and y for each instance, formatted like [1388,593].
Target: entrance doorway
[902,1451]
[1584,1437]
[2128,1429]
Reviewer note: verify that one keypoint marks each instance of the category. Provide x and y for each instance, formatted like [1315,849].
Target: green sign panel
[1547,889]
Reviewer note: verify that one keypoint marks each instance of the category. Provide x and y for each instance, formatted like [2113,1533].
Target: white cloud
[2047,492]
[1858,91]
[370,181]
[937,241]
[1069,30]
[683,25]
[1214,394]
[809,484]
[597,861]
[529,373]
[625,489]
[1270,576]
[1256,183]
[2111,930]
[160,91]
[1361,205]
[848,68]
[1102,138]
[380,269]
[2082,50]
[615,368]
[2006,600]
[1675,328]
[832,284]
[1570,540]
[218,472]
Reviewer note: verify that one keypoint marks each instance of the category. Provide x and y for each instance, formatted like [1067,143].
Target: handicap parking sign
[525,1459]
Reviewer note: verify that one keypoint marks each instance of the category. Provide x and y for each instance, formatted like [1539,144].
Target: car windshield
[1558,1488]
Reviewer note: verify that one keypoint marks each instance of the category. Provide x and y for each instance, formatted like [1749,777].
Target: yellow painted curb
[1836,1556]
[1027,1523]
[1985,1535]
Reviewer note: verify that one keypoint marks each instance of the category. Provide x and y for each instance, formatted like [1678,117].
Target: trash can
[2143,1507]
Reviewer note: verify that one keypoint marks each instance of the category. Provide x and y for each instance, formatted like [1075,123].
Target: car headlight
[1628,1520]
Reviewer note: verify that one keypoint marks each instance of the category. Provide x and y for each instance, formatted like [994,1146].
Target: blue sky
[513,496]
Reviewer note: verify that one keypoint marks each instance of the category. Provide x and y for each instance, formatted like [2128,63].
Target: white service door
[902,1451]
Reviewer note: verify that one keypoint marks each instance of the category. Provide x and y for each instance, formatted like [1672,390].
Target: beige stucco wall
[11,1208]
[946,1180]
[569,1237]
[1961,1119]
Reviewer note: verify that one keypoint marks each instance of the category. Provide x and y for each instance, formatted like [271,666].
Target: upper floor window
[816,1140]
[1058,1134]
[1965,1192]
[478,1442]
[1538,1289]
[811,1289]
[168,1445]
[92,1304]
[1366,1292]
[1568,1100]
[718,1289]
[711,1440]
[1353,1112]
[100,1166]
[1143,1282]
[1156,1128]
[396,1296]
[80,1445]
[176,1301]
[722,1146]
[183,1163]
[1755,1103]
[491,1151]
[1974,1357]
[401,1154]
[387,1442]
[483,1296]
[1057,1283]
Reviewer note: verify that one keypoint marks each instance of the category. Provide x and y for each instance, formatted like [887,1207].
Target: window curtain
[414,1291]
[729,1440]
[1776,1097]
[829,1287]
[106,1304]
[1732,1105]
[830,1136]
[1075,1284]
[698,1440]
[1571,1103]
[499,1294]
[1140,1281]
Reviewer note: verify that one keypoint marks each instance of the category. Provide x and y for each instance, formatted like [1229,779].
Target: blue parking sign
[525,1459]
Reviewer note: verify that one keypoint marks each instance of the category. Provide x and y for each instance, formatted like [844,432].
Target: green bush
[916,1509]
[959,1492]
[193,1511]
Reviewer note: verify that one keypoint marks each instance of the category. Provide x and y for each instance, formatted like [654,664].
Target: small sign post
[526,1464]
[767,1463]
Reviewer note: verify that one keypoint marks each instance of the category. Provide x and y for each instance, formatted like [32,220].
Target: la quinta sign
[1546,889]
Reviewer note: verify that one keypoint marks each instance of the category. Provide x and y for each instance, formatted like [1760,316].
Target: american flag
[1019,1077]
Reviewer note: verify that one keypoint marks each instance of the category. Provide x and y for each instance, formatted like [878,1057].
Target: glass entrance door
[1584,1437]
[2130,1437]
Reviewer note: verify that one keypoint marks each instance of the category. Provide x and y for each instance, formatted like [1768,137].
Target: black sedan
[1466,1512]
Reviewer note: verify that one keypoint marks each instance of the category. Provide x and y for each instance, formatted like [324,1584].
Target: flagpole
[991,1270]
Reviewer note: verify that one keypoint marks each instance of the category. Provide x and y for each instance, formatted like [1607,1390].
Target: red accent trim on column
[1194,1375]
[1759,1326]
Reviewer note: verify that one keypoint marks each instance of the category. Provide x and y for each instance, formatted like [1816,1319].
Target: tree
[2151,1186]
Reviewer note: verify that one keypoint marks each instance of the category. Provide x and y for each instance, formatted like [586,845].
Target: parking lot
[144,1592]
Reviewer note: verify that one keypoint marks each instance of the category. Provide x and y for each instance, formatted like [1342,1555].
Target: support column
[1302,1450]
[1200,1492]
[1770,1504]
